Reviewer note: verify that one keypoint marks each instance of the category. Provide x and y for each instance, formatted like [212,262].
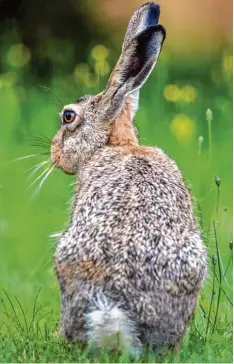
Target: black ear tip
[151,11]
[150,6]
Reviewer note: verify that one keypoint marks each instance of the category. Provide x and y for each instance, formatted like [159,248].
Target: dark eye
[68,116]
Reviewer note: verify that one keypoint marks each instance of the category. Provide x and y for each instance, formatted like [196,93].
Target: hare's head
[93,122]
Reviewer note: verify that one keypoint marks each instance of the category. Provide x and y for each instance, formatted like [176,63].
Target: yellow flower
[102,68]
[172,93]
[18,55]
[99,53]
[188,93]
[183,127]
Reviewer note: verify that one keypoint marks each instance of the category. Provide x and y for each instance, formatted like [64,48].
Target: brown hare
[132,261]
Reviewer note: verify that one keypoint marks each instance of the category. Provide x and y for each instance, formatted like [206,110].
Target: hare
[132,261]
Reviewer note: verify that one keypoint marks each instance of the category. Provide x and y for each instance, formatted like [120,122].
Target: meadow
[185,109]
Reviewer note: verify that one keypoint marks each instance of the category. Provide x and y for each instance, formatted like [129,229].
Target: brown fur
[88,269]
[122,131]
[140,151]
[93,271]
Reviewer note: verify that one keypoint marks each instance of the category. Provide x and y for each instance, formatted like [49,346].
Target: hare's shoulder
[135,159]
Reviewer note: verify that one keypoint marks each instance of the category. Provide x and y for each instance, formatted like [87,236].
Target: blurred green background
[51,53]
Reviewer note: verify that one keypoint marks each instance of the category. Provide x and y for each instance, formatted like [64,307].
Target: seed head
[217,181]
[209,114]
[200,139]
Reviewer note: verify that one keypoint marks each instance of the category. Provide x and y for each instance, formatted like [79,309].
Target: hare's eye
[68,116]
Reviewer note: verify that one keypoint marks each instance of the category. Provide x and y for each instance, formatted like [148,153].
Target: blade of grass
[23,313]
[34,308]
[13,308]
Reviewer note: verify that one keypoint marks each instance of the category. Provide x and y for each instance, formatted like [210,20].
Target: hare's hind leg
[108,326]
[72,320]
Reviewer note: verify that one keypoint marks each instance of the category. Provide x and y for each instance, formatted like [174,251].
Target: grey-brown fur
[133,241]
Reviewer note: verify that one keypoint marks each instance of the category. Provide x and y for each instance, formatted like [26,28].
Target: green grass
[29,306]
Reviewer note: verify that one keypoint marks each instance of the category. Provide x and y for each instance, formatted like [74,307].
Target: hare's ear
[139,58]
[141,48]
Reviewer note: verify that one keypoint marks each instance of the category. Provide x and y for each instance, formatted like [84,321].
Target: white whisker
[25,157]
[45,87]
[44,179]
[41,175]
[36,168]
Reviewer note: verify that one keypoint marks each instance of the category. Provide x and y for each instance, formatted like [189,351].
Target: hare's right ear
[141,48]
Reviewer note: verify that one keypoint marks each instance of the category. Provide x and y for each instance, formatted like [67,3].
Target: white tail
[109,327]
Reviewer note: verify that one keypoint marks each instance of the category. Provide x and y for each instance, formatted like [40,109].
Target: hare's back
[135,187]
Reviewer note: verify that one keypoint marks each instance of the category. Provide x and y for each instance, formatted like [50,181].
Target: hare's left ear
[141,48]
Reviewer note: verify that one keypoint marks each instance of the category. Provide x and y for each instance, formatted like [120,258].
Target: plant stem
[210,138]
[209,117]
[217,205]
[220,277]
[211,301]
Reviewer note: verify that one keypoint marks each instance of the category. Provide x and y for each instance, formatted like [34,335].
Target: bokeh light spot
[102,68]
[83,75]
[227,66]
[9,78]
[18,55]
[99,52]
[81,72]
[183,127]
[172,93]
[188,93]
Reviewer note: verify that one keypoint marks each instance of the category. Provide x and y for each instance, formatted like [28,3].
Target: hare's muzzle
[55,150]
[58,157]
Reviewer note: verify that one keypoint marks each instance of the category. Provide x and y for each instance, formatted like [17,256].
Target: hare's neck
[122,131]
